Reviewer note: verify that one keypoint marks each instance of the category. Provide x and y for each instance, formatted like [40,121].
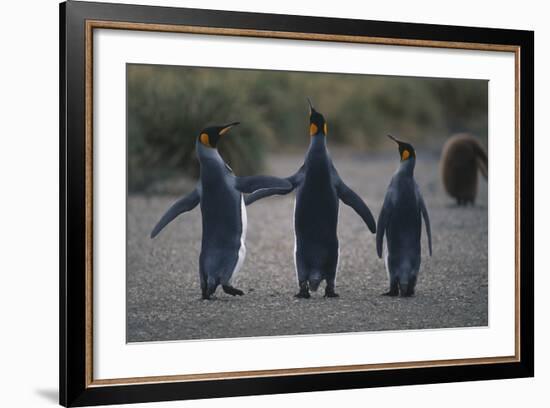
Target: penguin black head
[406,150]
[210,136]
[317,123]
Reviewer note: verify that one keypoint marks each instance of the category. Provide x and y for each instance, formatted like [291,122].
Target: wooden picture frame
[78,20]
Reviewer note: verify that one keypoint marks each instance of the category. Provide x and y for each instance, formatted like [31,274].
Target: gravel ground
[163,293]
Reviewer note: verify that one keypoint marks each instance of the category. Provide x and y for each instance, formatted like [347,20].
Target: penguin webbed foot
[208,293]
[230,290]
[407,290]
[304,291]
[330,293]
[394,291]
[407,293]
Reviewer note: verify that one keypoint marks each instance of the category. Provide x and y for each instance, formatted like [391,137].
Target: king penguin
[219,193]
[461,157]
[318,190]
[400,220]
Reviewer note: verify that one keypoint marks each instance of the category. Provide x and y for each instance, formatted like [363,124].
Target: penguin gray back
[316,197]
[220,201]
[318,191]
[219,193]
[400,221]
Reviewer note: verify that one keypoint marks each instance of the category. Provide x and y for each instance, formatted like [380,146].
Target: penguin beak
[311,109]
[226,128]
[394,139]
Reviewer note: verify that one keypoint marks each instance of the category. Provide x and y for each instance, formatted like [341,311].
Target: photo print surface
[254,197]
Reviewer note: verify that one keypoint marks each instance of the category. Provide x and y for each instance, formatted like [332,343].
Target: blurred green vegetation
[168,106]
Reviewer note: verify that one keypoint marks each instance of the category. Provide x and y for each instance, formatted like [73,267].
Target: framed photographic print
[256,204]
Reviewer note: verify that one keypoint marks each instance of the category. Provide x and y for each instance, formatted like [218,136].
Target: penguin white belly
[242,248]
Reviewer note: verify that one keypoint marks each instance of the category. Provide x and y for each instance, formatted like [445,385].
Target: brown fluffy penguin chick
[461,157]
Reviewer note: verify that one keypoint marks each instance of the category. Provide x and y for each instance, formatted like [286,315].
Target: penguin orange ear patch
[205,140]
[313,129]
[325,128]
[405,155]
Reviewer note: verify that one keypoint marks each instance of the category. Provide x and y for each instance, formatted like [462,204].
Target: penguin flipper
[426,217]
[294,181]
[350,197]
[297,178]
[383,220]
[184,204]
[266,192]
[251,184]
